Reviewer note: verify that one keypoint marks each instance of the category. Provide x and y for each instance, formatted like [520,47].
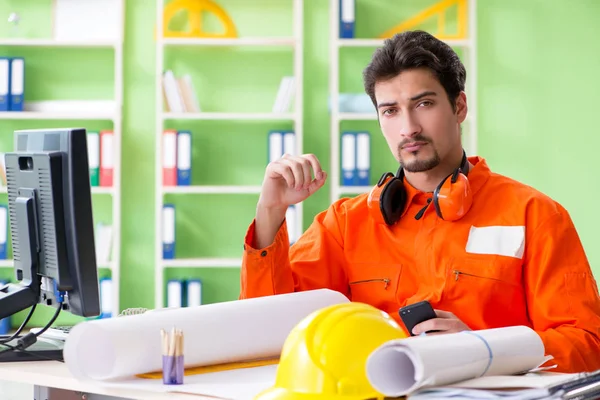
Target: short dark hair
[416,49]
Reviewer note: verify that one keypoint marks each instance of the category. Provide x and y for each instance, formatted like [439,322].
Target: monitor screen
[51,223]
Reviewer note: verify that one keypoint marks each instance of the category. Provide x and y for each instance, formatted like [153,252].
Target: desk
[52,378]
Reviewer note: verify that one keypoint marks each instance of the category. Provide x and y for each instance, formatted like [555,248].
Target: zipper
[457,273]
[385,280]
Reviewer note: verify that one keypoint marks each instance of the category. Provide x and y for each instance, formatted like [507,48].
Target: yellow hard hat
[324,356]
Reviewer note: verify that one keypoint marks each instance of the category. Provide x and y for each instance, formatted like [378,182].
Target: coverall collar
[478,175]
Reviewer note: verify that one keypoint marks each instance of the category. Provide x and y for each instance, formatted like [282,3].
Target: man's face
[417,119]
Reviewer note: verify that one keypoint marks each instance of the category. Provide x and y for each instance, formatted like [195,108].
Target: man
[484,250]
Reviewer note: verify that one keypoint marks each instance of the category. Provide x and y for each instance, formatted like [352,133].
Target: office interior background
[532,92]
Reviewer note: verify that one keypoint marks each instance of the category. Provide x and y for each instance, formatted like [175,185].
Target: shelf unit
[295,117]
[336,43]
[116,118]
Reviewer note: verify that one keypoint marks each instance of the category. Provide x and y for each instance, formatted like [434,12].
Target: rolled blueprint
[241,330]
[400,367]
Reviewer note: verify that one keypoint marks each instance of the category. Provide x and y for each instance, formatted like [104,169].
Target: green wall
[537,104]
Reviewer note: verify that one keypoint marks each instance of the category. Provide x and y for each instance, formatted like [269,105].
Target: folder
[106,158]
[284,95]
[348,159]
[5,323]
[105,298]
[194,293]
[347,18]
[17,83]
[289,143]
[184,158]
[168,218]
[93,147]
[275,146]
[5,83]
[291,218]
[174,293]
[3,231]
[363,158]
[169,157]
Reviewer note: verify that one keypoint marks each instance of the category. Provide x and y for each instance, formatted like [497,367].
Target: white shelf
[56,43]
[202,262]
[267,41]
[211,189]
[229,116]
[293,45]
[379,42]
[56,115]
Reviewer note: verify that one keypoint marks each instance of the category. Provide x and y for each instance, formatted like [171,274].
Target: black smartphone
[416,313]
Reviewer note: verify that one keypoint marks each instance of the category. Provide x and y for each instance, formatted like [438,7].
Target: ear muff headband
[452,198]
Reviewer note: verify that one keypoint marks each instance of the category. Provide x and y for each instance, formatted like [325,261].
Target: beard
[419,164]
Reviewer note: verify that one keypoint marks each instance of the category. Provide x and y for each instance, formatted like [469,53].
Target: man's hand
[446,322]
[287,181]
[290,180]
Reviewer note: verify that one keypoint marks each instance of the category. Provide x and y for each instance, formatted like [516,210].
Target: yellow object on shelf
[215,368]
[325,355]
[437,10]
[194,9]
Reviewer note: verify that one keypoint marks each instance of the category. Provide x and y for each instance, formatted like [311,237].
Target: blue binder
[193,293]
[106,297]
[363,158]
[348,158]
[175,293]
[5,323]
[184,158]
[5,83]
[274,145]
[17,83]
[347,18]
[168,231]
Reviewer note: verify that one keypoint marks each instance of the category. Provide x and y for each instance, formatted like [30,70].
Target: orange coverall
[514,259]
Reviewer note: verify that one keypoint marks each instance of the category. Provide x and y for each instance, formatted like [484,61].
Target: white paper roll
[214,333]
[400,367]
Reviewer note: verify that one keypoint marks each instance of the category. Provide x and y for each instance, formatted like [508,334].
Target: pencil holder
[172,370]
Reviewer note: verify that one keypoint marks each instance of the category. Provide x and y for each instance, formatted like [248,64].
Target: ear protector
[452,198]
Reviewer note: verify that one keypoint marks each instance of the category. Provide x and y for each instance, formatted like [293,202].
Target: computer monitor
[51,223]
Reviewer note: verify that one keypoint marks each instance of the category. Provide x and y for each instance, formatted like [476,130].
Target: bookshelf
[106,199]
[363,47]
[224,184]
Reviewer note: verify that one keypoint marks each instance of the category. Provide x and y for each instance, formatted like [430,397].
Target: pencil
[164,342]
[172,343]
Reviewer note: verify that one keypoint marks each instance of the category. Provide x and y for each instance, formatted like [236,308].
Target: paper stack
[285,95]
[179,94]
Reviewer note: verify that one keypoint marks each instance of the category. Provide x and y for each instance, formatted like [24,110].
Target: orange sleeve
[315,261]
[562,295]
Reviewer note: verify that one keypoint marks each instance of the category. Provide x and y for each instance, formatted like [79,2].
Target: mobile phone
[416,313]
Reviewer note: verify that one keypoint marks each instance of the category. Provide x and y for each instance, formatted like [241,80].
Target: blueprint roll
[401,367]
[234,331]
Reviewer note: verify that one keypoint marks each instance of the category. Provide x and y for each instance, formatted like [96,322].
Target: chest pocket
[375,284]
[490,287]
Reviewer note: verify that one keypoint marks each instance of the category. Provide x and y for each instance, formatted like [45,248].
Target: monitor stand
[44,349]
